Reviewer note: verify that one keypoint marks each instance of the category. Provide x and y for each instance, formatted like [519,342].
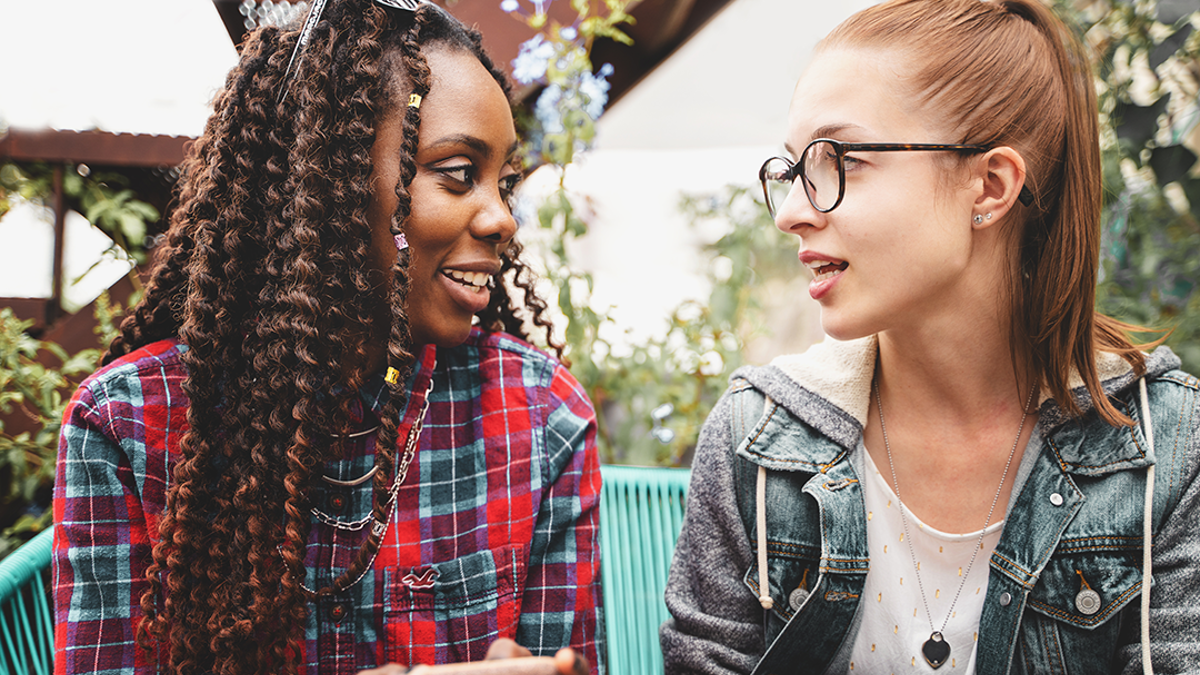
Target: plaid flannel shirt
[495,532]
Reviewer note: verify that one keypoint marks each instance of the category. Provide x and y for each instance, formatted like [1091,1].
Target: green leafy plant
[104,198]
[36,377]
[1148,79]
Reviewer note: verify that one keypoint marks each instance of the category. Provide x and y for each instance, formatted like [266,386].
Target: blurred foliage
[653,396]
[36,379]
[104,198]
[1148,84]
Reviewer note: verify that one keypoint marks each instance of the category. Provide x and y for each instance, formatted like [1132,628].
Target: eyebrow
[827,131]
[475,143]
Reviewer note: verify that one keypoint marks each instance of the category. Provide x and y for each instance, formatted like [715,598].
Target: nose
[494,221]
[796,212]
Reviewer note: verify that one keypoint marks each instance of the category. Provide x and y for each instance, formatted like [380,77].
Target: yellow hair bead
[414,100]
[393,376]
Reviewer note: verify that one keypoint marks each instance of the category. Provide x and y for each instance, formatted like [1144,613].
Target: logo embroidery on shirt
[422,582]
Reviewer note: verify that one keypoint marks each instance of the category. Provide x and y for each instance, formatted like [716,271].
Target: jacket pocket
[1074,613]
[451,611]
[792,573]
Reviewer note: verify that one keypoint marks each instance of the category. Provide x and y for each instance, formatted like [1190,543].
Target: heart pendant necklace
[936,650]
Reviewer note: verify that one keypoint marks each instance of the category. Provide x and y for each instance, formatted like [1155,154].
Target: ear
[1001,172]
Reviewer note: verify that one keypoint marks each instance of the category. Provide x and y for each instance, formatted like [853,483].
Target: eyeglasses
[310,22]
[822,170]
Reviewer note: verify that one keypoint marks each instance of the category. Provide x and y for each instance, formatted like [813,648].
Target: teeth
[824,269]
[476,279]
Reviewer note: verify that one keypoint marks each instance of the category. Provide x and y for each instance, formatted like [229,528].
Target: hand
[566,660]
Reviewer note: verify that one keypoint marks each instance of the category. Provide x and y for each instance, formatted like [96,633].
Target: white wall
[707,117]
[133,66]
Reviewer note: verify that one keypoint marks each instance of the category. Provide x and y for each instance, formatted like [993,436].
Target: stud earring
[978,219]
[988,216]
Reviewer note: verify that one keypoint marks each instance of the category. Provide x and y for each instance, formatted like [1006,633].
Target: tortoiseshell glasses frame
[822,167]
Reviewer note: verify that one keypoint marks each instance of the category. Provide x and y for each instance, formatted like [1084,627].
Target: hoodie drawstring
[1147,515]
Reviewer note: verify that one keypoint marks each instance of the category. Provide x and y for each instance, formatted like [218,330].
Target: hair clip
[393,376]
[406,5]
[401,241]
[310,23]
[414,101]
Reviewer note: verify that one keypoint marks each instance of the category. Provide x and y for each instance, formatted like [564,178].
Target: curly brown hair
[264,276]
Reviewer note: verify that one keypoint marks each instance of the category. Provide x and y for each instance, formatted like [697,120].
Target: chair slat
[641,514]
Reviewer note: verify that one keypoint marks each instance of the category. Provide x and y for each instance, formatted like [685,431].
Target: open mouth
[475,281]
[824,269]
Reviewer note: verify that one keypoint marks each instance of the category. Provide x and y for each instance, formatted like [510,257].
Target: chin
[843,328]
[452,337]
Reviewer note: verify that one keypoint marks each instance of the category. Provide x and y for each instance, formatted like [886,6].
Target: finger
[506,648]
[569,663]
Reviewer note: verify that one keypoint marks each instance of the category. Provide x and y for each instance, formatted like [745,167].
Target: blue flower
[530,64]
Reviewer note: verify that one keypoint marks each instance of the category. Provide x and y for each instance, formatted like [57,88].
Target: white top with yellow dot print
[894,624]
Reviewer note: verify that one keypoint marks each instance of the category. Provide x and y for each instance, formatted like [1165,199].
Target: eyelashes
[463,178]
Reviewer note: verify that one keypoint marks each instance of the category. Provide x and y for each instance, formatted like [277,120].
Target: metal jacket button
[1056,499]
[1087,602]
[1005,599]
[797,598]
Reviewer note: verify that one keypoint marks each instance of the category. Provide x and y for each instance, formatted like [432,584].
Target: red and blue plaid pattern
[495,532]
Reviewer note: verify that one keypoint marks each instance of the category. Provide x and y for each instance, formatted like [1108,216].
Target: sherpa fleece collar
[837,374]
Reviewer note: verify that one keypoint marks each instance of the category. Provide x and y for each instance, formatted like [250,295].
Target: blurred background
[642,212]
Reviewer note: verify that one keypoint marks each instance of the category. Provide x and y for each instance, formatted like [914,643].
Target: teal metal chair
[641,511]
[26,621]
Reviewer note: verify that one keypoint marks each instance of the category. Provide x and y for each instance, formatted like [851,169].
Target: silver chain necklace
[936,650]
[378,527]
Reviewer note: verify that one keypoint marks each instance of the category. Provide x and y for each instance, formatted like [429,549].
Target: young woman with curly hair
[977,472]
[321,443]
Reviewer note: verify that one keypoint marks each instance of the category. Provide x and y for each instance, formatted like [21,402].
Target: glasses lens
[776,177]
[821,179]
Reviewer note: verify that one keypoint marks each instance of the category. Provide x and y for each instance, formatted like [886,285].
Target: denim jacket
[1079,511]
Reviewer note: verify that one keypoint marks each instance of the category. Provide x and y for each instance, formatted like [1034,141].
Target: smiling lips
[825,272]
[475,281]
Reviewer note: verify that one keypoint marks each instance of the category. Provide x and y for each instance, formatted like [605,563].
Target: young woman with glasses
[321,443]
[962,477]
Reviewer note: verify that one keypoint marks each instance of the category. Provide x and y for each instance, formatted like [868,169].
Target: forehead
[860,93]
[464,98]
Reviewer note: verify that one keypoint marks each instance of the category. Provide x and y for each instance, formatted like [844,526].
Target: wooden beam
[54,307]
[96,147]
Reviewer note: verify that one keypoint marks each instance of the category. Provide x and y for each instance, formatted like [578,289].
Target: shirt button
[1005,599]
[337,503]
[1056,499]
[337,612]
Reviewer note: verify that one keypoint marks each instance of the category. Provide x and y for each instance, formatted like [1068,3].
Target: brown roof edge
[98,147]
